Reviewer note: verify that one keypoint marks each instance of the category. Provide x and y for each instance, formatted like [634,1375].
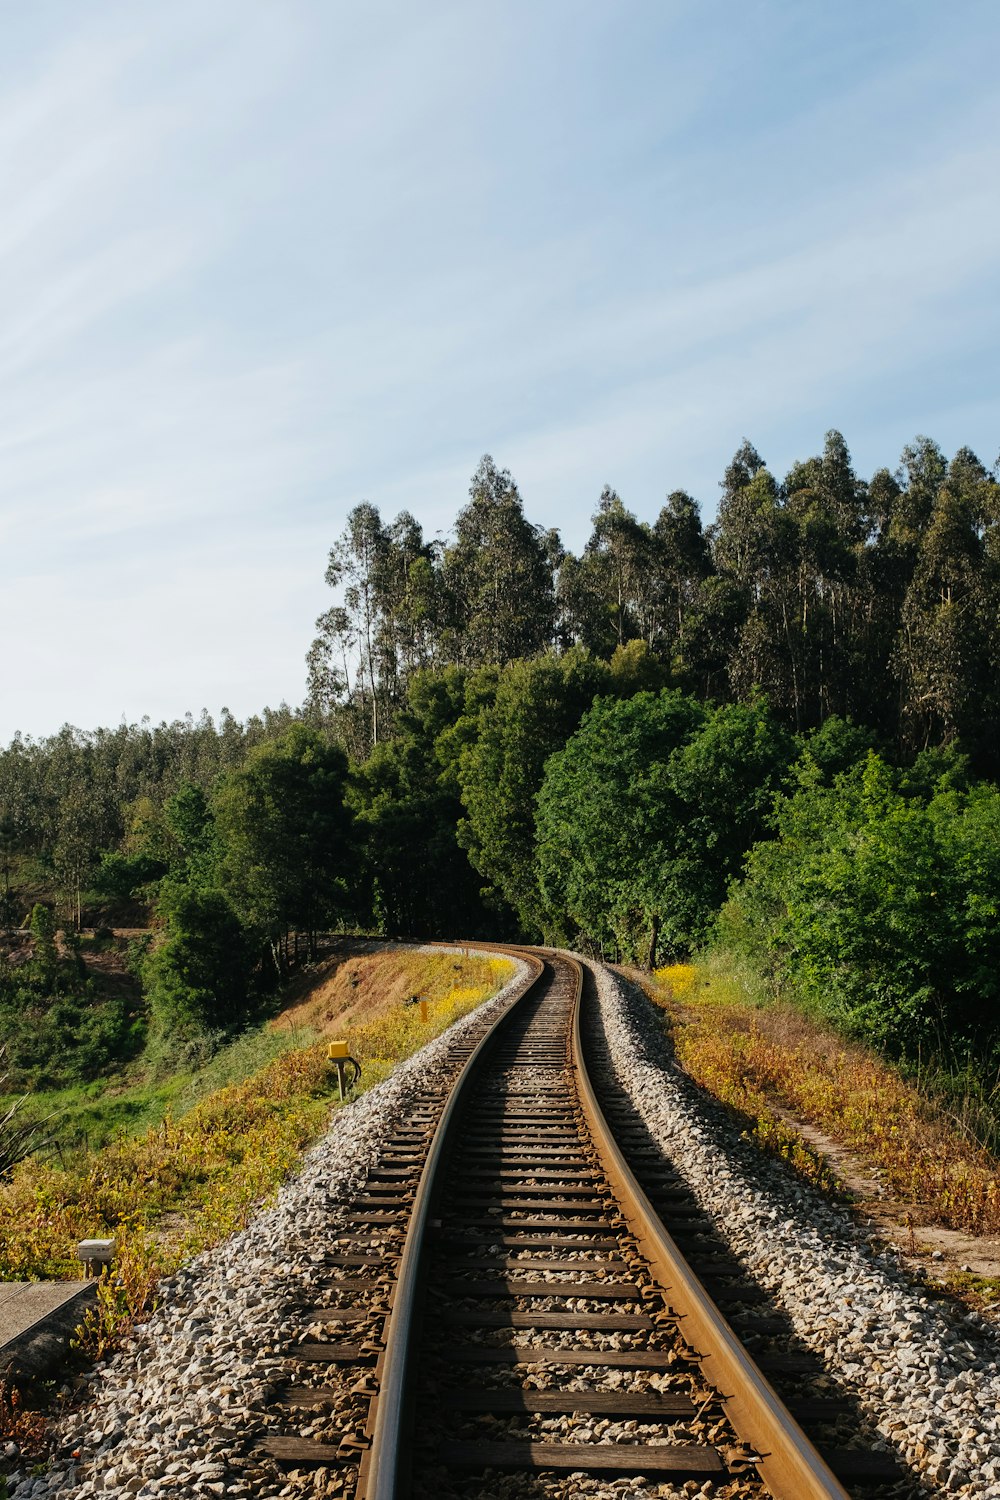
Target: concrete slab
[24,1302]
[37,1321]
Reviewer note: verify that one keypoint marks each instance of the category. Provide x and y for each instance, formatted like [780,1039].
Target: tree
[497,576]
[608,825]
[188,821]
[680,564]
[500,751]
[726,776]
[945,653]
[880,909]
[419,881]
[285,837]
[621,552]
[922,470]
[197,976]
[355,563]
[755,541]
[43,931]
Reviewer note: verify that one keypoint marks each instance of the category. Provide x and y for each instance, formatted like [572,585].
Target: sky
[259,262]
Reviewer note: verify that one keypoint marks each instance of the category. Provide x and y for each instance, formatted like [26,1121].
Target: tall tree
[497,576]
[355,564]
[620,548]
[284,831]
[755,541]
[501,750]
[949,616]
[679,562]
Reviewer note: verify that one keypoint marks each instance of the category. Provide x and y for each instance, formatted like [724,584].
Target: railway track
[510,1312]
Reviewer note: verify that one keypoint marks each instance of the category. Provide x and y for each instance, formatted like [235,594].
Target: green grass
[184,1183]
[90,1116]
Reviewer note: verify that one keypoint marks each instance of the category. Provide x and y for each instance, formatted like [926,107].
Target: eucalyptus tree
[386,626]
[755,542]
[922,470]
[497,576]
[354,565]
[680,563]
[949,632]
[621,553]
[581,606]
[830,508]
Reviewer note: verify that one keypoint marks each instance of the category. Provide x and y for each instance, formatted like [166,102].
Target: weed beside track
[186,1183]
[760,1060]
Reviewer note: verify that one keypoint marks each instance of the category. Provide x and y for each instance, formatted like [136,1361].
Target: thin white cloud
[259,262]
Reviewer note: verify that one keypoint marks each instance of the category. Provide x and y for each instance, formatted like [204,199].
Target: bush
[881,908]
[197,976]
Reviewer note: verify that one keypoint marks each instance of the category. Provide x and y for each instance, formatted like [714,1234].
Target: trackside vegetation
[764,1059]
[775,737]
[197,1174]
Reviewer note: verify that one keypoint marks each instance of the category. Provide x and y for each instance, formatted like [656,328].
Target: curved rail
[382,1477]
[788,1463]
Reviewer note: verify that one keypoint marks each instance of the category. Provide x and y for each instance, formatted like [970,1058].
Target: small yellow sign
[335,1050]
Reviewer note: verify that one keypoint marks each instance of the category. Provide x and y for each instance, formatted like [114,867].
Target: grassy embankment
[205,1147]
[762,1059]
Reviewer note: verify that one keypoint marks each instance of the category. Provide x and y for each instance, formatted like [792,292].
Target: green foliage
[58,1026]
[188,821]
[609,825]
[124,878]
[407,810]
[284,835]
[880,909]
[43,931]
[68,1038]
[836,746]
[865,614]
[527,716]
[497,576]
[726,777]
[197,976]
[647,813]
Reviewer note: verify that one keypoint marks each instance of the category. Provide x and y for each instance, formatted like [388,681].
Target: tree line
[876,600]
[682,735]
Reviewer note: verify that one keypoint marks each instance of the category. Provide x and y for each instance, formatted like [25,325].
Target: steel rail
[788,1463]
[382,1475]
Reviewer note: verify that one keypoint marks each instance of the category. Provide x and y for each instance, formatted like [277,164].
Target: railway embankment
[187,1406]
[927,1371]
[182,1408]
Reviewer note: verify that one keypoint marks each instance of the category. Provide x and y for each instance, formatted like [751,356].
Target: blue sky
[261,261]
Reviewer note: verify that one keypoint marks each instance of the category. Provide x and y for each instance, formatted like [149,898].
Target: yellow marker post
[423,1010]
[338,1054]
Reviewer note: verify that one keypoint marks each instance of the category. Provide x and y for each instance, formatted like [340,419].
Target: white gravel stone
[189,1396]
[928,1375]
[189,1399]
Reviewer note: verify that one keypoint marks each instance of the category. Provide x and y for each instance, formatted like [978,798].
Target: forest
[777,735]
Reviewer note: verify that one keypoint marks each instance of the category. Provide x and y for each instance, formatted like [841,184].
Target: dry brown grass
[353,989]
[759,1060]
[204,1174]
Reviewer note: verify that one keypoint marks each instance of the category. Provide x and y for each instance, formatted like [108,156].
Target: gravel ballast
[928,1375]
[183,1408]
